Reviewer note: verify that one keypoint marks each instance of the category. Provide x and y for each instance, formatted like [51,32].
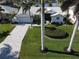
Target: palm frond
[66,4]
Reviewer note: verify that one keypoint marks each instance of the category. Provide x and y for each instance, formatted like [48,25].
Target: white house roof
[57,9]
[34,9]
[22,15]
[56,14]
[8,9]
[51,10]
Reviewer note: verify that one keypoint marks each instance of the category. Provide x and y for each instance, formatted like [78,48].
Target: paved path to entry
[10,47]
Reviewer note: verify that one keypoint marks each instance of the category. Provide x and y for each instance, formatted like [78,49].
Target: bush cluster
[37,19]
[55,33]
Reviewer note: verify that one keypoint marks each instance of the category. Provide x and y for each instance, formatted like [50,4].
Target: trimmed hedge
[37,19]
[56,23]
[2,34]
[55,33]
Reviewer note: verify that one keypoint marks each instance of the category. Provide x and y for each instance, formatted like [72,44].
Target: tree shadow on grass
[75,53]
[5,52]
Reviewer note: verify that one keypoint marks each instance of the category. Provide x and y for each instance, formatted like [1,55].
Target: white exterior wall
[22,20]
[54,19]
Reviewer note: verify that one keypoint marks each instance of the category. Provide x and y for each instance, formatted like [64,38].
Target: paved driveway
[10,47]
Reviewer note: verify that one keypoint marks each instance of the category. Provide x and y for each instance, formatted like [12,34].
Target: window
[58,18]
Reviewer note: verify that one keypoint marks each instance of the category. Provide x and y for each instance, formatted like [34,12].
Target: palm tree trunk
[30,16]
[42,25]
[73,36]
[29,12]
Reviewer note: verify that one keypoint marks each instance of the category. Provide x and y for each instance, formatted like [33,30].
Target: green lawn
[31,45]
[5,28]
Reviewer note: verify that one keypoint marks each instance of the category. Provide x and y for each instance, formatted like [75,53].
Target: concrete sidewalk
[10,47]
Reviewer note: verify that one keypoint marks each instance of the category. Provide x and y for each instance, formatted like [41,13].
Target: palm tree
[29,4]
[1,12]
[42,26]
[76,12]
[60,1]
[26,7]
[16,2]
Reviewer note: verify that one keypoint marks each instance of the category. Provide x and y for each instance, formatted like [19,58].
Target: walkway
[10,47]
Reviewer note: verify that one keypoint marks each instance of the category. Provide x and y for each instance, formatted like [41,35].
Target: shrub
[48,17]
[55,33]
[37,19]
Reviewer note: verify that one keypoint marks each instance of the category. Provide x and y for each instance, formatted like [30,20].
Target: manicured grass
[5,28]
[31,45]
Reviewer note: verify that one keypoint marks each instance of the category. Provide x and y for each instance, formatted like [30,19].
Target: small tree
[37,19]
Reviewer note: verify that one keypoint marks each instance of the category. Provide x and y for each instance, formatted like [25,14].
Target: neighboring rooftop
[8,9]
[51,10]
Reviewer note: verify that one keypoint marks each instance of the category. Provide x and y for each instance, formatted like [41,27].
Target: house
[50,12]
[7,13]
[25,18]
[8,9]
[57,18]
[22,17]
[56,14]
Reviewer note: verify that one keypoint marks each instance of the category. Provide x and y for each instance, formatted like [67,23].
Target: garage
[22,18]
